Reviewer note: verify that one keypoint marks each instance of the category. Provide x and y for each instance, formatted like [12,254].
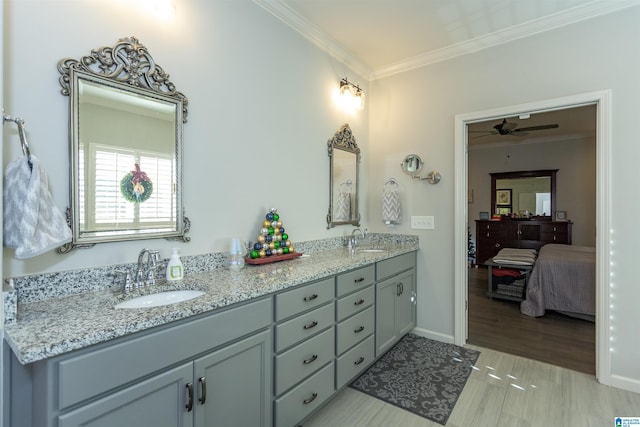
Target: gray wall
[414,112]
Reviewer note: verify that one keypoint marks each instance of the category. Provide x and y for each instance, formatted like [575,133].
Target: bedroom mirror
[524,193]
[125,133]
[344,160]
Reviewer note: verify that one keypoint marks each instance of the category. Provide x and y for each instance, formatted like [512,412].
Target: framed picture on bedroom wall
[503,197]
[503,210]
[561,216]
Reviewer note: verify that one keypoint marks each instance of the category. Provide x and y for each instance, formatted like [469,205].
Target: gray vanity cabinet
[159,401]
[304,350]
[212,370]
[232,385]
[395,300]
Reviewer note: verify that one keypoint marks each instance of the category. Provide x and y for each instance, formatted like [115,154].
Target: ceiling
[573,123]
[378,38]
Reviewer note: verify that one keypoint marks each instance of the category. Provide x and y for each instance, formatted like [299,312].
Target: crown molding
[319,38]
[570,16]
[567,17]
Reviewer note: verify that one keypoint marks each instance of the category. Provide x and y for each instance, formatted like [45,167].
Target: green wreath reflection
[136,186]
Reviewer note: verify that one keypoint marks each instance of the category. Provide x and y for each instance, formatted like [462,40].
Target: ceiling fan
[508,128]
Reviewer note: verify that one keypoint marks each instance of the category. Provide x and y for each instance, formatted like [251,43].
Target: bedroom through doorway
[498,324]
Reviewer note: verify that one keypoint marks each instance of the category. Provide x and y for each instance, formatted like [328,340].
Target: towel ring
[347,184]
[390,182]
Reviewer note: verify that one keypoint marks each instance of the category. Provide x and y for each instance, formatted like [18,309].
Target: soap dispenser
[174,267]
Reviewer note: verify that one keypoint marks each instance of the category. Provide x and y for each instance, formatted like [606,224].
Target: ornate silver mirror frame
[125,133]
[344,165]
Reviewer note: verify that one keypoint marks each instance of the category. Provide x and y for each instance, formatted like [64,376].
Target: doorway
[562,141]
[602,100]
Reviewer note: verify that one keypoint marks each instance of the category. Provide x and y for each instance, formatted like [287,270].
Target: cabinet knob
[358,280]
[359,361]
[358,330]
[310,298]
[359,302]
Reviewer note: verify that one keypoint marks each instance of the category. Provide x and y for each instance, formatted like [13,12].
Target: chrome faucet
[145,272]
[354,241]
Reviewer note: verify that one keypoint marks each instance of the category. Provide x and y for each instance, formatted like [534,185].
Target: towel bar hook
[21,133]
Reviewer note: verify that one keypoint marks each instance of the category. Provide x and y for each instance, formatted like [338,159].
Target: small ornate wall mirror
[344,160]
[125,133]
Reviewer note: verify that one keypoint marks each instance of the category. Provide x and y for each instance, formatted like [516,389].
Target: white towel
[343,207]
[391,207]
[32,224]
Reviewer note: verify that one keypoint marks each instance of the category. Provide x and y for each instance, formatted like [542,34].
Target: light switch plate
[422,223]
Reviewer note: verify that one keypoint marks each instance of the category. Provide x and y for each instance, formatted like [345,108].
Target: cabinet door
[233,385]
[159,402]
[405,304]
[385,315]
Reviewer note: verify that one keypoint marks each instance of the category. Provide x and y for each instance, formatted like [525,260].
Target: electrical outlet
[422,223]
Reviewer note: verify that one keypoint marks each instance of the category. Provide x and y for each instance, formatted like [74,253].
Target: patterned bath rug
[420,375]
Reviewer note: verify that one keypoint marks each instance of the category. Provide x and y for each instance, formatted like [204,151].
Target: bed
[562,279]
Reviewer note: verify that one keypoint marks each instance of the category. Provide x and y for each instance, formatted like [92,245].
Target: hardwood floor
[502,391]
[554,338]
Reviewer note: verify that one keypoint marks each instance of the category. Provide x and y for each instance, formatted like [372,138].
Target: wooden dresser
[491,236]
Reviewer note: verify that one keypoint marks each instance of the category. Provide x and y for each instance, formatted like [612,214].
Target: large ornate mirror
[344,160]
[125,132]
[524,193]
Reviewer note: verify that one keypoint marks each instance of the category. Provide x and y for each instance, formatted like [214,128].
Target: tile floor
[502,391]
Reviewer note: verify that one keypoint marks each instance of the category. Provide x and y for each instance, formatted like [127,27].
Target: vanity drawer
[356,279]
[354,329]
[392,266]
[302,360]
[301,299]
[303,326]
[354,361]
[291,408]
[351,304]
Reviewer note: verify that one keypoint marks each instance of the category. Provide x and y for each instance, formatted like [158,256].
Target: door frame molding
[602,100]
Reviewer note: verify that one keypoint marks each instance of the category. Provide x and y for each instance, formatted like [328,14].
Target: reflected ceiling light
[351,94]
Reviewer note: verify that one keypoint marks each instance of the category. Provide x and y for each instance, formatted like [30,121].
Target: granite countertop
[55,326]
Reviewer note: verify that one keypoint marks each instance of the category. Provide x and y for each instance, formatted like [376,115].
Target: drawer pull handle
[310,360]
[361,279]
[189,397]
[203,389]
[359,361]
[310,325]
[360,329]
[311,298]
[311,399]
[359,302]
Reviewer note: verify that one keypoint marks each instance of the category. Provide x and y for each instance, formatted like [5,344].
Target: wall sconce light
[352,96]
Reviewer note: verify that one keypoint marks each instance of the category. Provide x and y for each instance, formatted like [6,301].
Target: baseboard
[437,336]
[624,383]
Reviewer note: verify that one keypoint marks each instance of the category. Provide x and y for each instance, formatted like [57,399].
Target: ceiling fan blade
[541,127]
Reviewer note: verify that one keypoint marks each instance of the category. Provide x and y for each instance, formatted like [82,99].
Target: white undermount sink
[158,299]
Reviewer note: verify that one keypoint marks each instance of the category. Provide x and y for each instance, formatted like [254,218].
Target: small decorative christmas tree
[272,240]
